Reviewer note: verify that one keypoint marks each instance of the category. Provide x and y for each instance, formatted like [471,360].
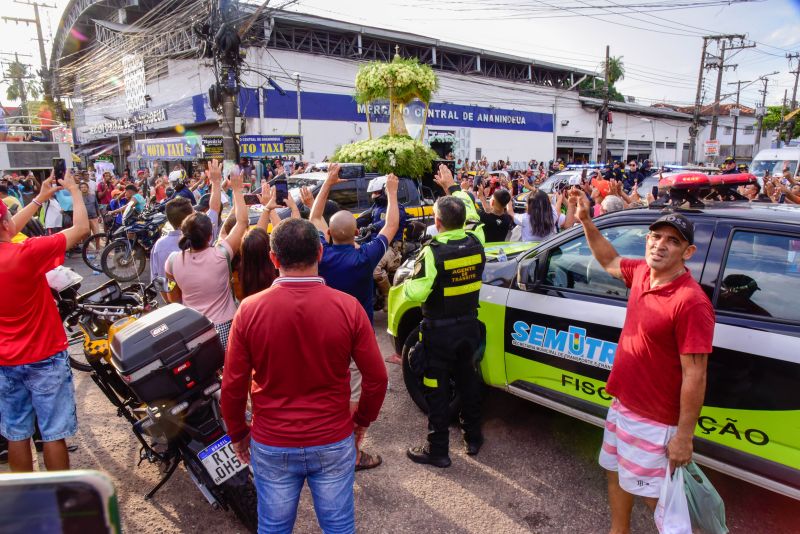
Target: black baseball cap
[683,225]
[730,159]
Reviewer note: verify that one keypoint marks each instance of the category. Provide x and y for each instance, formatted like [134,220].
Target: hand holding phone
[281,190]
[59,169]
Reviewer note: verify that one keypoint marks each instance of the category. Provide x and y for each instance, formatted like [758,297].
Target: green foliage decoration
[398,154]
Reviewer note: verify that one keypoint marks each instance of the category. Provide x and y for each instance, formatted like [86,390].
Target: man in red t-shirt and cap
[35,378]
[659,374]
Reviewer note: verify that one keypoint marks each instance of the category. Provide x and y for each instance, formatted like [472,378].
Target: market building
[152,103]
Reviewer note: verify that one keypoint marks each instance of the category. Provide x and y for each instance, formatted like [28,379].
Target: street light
[653,129]
[296,77]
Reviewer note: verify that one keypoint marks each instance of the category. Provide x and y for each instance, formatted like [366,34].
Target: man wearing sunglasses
[633,176]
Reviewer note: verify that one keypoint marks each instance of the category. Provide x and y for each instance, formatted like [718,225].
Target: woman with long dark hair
[202,272]
[542,219]
[256,271]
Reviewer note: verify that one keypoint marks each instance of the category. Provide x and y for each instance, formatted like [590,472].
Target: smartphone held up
[59,169]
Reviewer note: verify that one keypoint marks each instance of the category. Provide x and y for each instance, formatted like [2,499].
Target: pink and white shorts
[635,447]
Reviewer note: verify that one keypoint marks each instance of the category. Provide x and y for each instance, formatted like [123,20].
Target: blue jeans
[42,389]
[279,476]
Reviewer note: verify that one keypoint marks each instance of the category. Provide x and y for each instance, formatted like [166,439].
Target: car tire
[413,382]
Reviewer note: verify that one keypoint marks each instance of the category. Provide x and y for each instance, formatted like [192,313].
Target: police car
[553,317]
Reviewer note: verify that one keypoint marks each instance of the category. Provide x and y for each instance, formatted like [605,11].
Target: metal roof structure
[636,109]
[112,22]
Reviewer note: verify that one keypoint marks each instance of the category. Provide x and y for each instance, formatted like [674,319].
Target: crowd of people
[314,387]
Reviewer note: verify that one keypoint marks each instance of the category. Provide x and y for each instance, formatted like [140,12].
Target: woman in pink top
[202,272]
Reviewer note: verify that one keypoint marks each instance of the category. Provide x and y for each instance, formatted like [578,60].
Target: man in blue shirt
[343,266]
[349,269]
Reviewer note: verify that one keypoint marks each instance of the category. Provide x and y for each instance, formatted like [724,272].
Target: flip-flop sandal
[368,461]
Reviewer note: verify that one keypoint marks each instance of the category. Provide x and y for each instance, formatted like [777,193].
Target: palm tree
[616,70]
[22,85]
[594,87]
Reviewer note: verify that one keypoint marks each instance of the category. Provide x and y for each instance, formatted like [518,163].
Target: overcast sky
[660,49]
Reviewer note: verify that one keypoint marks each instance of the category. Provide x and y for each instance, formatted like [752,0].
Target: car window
[761,276]
[345,194]
[572,266]
[402,191]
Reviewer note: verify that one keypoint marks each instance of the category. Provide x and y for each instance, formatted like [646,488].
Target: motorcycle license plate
[220,461]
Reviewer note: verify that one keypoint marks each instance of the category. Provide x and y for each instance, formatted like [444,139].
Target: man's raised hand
[69,182]
[444,177]
[272,202]
[266,194]
[237,183]
[215,171]
[306,197]
[392,183]
[48,189]
[333,174]
[583,212]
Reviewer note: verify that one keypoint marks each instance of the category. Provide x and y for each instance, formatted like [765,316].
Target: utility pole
[783,113]
[226,42]
[44,72]
[695,128]
[790,57]
[729,42]
[604,112]
[763,110]
[715,117]
[736,117]
[296,77]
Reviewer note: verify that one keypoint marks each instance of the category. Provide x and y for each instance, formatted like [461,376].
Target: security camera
[564,123]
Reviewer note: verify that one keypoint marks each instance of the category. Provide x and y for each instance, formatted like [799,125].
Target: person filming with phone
[35,375]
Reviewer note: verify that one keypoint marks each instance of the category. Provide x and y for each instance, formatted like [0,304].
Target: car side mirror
[527,278]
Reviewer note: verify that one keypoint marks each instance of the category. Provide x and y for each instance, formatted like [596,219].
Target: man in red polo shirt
[290,347]
[659,374]
[35,377]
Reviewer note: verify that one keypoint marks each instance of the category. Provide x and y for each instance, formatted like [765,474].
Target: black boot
[422,455]
[473,446]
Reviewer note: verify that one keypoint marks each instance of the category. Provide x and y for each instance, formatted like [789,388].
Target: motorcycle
[166,386]
[125,257]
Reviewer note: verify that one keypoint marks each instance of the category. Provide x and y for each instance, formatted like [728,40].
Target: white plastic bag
[672,510]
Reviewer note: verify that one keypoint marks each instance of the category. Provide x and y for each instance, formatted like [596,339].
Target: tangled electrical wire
[172,29]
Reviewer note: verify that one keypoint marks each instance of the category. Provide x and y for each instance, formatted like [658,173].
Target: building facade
[489,104]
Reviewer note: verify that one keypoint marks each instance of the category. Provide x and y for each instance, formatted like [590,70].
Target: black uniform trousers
[453,349]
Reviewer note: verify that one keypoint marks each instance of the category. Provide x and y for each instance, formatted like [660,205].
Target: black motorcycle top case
[168,355]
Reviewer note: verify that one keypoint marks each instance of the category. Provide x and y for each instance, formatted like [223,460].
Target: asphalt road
[536,473]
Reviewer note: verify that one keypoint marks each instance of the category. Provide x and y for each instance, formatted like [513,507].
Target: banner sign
[335,107]
[134,122]
[267,146]
[170,149]
[711,148]
[212,146]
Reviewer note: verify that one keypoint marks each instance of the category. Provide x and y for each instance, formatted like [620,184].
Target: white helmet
[376,184]
[176,175]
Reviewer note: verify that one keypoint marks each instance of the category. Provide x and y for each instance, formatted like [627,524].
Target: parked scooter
[161,369]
